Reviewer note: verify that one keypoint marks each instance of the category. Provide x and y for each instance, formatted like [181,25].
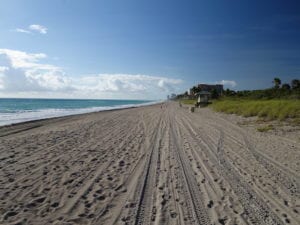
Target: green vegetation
[278,91]
[271,109]
[265,128]
[188,101]
[282,101]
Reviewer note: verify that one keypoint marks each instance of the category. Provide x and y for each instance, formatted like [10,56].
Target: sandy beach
[156,164]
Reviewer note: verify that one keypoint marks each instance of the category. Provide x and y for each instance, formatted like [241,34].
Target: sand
[157,164]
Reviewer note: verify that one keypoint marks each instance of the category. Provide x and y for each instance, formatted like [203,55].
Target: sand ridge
[156,164]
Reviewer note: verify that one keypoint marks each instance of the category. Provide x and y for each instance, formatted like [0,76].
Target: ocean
[16,110]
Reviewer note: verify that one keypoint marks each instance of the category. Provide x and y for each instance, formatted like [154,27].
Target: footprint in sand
[101,198]
[210,204]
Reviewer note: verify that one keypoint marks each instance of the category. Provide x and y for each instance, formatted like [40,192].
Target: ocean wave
[18,116]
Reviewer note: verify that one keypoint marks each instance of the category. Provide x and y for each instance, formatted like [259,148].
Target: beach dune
[156,164]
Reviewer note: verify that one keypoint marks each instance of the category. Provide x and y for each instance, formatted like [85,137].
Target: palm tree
[195,90]
[276,82]
[286,87]
[295,84]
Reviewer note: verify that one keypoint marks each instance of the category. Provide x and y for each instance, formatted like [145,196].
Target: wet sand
[157,165]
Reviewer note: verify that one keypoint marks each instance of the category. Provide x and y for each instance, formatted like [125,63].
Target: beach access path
[156,164]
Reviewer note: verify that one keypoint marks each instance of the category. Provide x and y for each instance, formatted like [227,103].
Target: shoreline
[109,108]
[31,124]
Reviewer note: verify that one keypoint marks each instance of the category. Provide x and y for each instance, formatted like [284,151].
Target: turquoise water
[13,110]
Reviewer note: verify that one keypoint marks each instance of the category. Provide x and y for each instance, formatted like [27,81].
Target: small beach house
[203,98]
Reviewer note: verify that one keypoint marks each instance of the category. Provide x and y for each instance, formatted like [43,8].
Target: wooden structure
[203,98]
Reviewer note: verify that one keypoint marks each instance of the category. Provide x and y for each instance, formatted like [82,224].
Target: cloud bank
[25,75]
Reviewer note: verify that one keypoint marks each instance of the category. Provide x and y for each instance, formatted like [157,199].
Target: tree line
[280,91]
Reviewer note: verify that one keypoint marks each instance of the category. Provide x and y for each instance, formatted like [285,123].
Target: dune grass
[271,109]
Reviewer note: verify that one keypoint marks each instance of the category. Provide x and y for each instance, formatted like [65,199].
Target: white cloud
[3,69]
[1,81]
[126,83]
[230,83]
[24,73]
[33,28]
[20,30]
[39,28]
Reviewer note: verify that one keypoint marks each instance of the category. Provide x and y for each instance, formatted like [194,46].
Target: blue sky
[144,49]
